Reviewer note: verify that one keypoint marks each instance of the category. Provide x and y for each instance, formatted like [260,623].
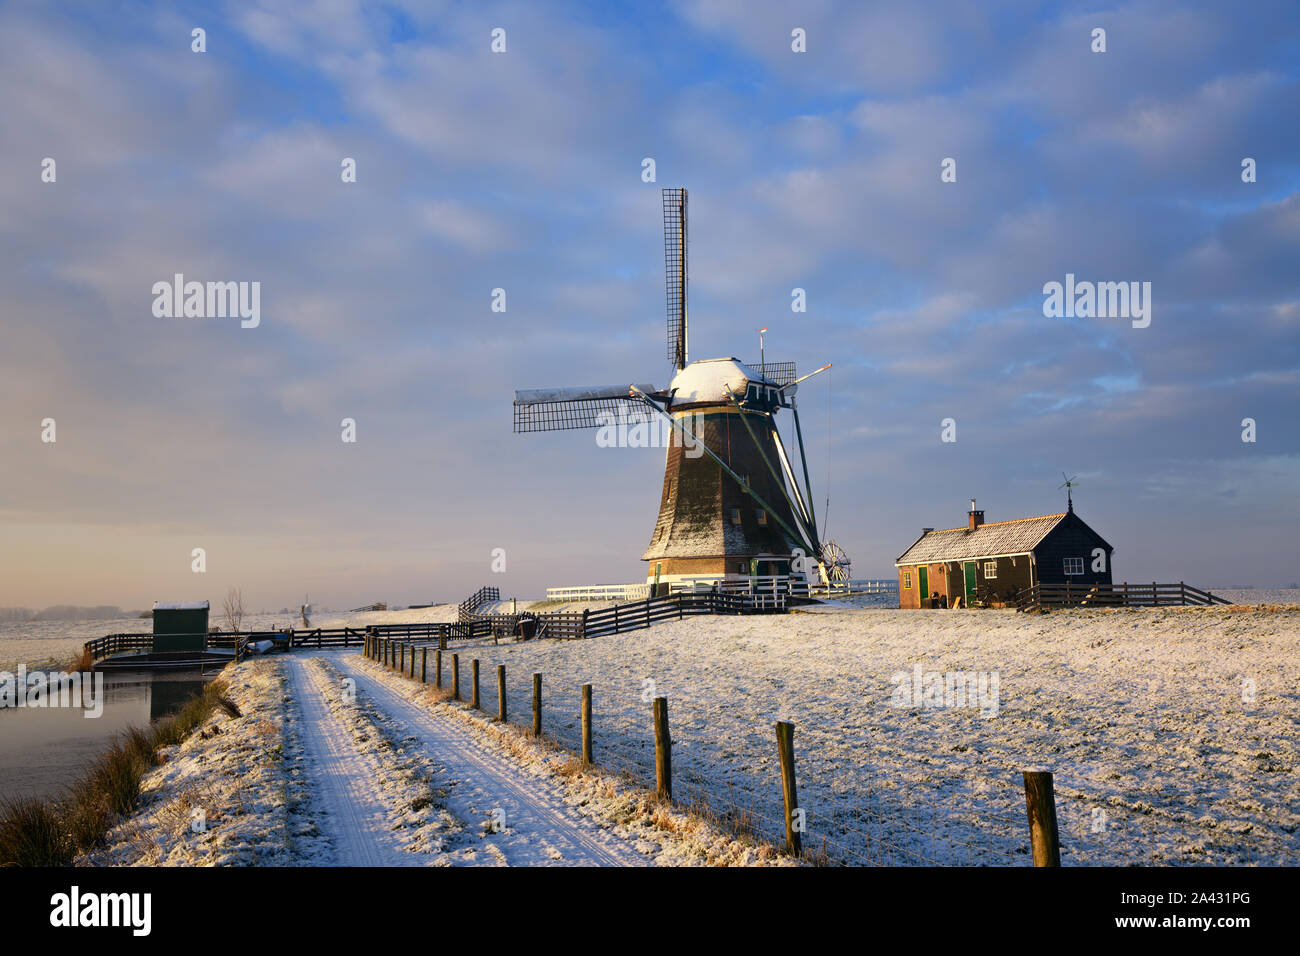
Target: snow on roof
[1018,536]
[180,605]
[708,380]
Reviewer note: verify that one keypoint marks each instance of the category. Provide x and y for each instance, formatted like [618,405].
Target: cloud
[523,171]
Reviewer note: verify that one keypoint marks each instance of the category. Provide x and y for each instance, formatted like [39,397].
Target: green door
[923,581]
[970,582]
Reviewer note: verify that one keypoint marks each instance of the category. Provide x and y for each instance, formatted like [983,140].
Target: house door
[923,581]
[970,582]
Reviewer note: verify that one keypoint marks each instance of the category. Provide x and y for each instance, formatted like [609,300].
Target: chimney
[973,518]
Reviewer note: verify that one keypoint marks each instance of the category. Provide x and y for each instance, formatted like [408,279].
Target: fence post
[537,705]
[437,667]
[455,676]
[473,701]
[1155,595]
[586,725]
[785,746]
[663,751]
[412,662]
[647,612]
[1040,804]
[424,665]
[585,612]
[501,693]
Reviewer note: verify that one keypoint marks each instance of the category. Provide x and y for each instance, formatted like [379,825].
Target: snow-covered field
[1172,732]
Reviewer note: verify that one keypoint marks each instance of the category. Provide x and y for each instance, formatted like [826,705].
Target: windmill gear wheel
[838,564]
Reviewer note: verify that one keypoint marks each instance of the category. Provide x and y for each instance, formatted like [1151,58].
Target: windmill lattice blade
[781,373]
[561,409]
[675,272]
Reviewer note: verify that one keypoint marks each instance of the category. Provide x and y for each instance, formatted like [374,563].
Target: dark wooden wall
[1071,538]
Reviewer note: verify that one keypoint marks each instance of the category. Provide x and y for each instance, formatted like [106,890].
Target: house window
[990,569]
[735,516]
[742,568]
[762,518]
[907,580]
[1074,565]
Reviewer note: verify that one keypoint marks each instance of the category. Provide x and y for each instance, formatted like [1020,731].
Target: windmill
[732,505]
[1069,484]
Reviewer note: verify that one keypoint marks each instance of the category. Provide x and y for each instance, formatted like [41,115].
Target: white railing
[757,585]
[600,592]
[857,587]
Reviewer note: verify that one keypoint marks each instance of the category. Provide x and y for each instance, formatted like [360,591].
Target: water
[42,750]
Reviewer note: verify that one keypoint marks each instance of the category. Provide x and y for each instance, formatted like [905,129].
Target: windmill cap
[714,380]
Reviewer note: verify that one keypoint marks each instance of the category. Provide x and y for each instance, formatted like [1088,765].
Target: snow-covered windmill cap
[712,380]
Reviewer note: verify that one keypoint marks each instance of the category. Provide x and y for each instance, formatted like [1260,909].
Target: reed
[54,832]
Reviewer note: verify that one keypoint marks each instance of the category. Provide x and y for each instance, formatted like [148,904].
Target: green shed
[180,625]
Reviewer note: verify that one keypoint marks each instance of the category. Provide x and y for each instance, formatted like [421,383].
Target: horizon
[817,172]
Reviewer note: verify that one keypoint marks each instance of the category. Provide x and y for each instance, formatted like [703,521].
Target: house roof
[180,605]
[1018,536]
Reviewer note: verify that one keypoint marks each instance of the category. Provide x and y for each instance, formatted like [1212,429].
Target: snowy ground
[336,762]
[53,643]
[1172,732]
[232,793]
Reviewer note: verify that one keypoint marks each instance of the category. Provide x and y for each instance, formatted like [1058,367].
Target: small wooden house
[180,625]
[992,563]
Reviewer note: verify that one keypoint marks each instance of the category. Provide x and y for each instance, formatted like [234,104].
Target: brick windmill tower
[732,506]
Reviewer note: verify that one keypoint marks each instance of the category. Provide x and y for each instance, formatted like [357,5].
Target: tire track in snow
[354,814]
[538,825]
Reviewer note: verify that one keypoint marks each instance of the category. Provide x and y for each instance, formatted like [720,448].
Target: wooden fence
[563,625]
[413,662]
[1113,595]
[618,618]
[471,604]
[314,637]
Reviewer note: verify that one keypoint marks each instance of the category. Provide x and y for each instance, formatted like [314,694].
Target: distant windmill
[1069,484]
[731,504]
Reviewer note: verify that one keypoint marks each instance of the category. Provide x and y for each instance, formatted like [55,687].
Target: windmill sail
[559,409]
[782,373]
[675,273]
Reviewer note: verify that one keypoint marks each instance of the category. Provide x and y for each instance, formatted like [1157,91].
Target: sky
[522,170]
